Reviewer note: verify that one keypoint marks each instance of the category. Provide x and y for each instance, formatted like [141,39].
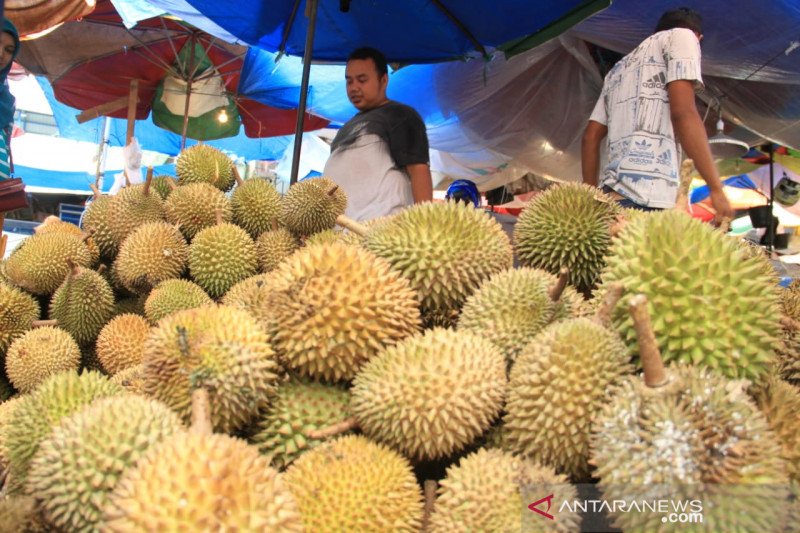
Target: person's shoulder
[402,110]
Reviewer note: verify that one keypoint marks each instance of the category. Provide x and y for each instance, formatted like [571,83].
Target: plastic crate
[71,213]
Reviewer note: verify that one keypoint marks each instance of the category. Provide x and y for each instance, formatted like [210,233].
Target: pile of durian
[204,354]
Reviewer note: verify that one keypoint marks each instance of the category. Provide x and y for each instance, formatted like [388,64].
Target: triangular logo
[546,514]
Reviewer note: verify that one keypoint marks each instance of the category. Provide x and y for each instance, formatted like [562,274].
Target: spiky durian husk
[83,304]
[55,225]
[38,412]
[161,184]
[151,254]
[256,206]
[312,205]
[344,295]
[7,408]
[788,360]
[194,207]
[174,295]
[18,310]
[557,384]
[345,237]
[567,226]
[339,485]
[253,295]
[131,379]
[80,462]
[98,220]
[205,164]
[129,306]
[274,246]
[41,264]
[39,354]
[710,304]
[220,257]
[217,347]
[20,514]
[167,490]
[699,437]
[780,403]
[446,250]
[432,394]
[300,406]
[120,344]
[513,306]
[131,207]
[489,489]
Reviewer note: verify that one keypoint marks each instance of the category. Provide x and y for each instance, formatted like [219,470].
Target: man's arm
[421,182]
[590,151]
[691,134]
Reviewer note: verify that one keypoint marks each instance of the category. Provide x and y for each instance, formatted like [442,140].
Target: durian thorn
[95,190]
[43,323]
[218,215]
[336,429]
[346,222]
[654,373]
[610,300]
[333,190]
[201,412]
[561,283]
[429,488]
[102,268]
[790,323]
[275,224]
[148,180]
[236,175]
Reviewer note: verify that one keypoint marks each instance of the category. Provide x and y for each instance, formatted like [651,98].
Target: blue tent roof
[76,181]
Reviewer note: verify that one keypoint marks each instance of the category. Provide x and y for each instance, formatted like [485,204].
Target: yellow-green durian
[220,257]
[133,206]
[120,344]
[174,295]
[41,264]
[163,185]
[202,163]
[18,310]
[131,379]
[39,354]
[151,254]
[194,207]
[273,246]
[780,403]
[83,304]
[98,220]
[312,205]
[56,225]
[256,205]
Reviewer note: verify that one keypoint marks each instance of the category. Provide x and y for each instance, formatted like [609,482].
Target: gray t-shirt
[369,155]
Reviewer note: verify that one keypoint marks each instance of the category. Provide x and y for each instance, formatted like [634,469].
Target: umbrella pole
[100,153]
[190,72]
[133,101]
[770,225]
[311,12]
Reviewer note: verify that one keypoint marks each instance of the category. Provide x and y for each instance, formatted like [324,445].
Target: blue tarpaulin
[74,181]
[740,182]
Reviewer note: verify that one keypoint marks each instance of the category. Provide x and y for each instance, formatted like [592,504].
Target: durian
[299,406]
[780,403]
[254,295]
[168,490]
[131,379]
[312,205]
[216,347]
[121,343]
[489,490]
[7,408]
[193,207]
[274,246]
[56,225]
[38,412]
[710,305]
[41,264]
[220,257]
[130,306]
[98,220]
[256,204]
[39,354]
[174,295]
[151,254]
[202,163]
[446,250]
[20,514]
[513,306]
[557,383]
[83,304]
[163,185]
[344,295]
[352,484]
[80,462]
[18,310]
[432,394]
[567,226]
[133,206]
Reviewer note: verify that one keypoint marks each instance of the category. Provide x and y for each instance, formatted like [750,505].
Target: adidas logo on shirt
[656,82]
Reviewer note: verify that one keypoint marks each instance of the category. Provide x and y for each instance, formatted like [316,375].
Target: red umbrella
[97,64]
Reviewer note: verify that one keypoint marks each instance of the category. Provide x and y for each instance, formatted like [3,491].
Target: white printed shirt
[643,157]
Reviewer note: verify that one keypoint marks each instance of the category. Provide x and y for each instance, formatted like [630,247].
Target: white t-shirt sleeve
[600,114]
[682,57]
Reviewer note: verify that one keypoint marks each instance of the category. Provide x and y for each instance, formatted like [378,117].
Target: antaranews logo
[673,511]
[535,507]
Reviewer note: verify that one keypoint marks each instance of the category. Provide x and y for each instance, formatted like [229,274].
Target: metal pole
[770,227]
[101,151]
[190,72]
[311,11]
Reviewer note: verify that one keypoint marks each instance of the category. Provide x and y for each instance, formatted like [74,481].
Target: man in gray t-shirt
[379,157]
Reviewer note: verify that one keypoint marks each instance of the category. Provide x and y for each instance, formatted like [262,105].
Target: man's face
[7,48]
[365,89]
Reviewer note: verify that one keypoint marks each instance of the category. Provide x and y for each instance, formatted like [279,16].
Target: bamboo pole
[190,77]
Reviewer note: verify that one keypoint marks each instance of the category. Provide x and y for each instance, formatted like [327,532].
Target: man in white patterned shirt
[647,105]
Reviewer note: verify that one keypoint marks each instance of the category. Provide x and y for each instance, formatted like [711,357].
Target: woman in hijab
[9,48]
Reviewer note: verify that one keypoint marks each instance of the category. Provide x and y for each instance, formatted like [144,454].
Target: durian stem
[236,175]
[682,200]
[346,222]
[336,429]
[102,268]
[275,224]
[43,323]
[3,241]
[201,412]
[429,487]
[610,300]
[218,214]
[148,180]
[561,283]
[725,225]
[654,373]
[73,268]
[88,235]
[95,190]
[790,323]
[172,185]
[333,190]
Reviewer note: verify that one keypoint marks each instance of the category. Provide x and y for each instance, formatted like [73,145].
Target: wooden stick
[102,109]
[133,101]
[201,412]
[429,488]
[352,225]
[236,175]
[148,180]
[558,288]
[610,300]
[3,242]
[43,323]
[336,429]
[654,373]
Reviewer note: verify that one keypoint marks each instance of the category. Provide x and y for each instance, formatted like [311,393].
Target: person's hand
[722,206]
